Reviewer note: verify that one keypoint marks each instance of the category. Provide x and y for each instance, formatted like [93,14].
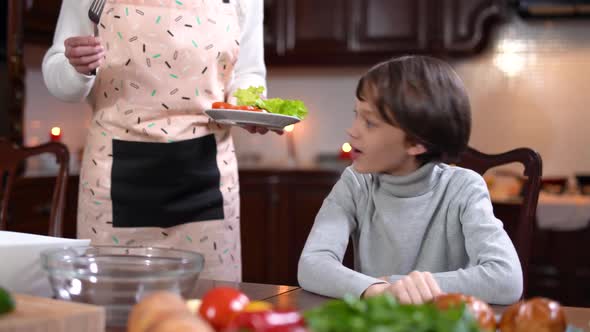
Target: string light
[56,131]
[55,134]
[346,147]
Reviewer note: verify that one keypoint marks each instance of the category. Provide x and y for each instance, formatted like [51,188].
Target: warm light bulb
[346,147]
[289,128]
[56,131]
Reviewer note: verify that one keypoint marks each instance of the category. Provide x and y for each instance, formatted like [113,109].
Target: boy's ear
[416,149]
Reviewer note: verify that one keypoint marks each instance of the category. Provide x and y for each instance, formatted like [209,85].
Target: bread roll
[537,314]
[181,322]
[153,308]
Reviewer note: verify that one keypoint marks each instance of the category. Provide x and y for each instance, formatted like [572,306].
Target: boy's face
[379,147]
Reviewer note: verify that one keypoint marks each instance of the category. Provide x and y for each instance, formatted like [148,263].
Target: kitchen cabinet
[465,24]
[278,209]
[348,32]
[40,19]
[391,26]
[301,28]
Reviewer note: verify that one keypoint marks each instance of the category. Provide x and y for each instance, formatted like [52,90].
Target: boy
[405,210]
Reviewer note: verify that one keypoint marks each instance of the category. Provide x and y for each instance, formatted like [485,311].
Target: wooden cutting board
[37,314]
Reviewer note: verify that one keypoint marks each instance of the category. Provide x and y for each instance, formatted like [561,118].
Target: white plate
[21,270]
[261,119]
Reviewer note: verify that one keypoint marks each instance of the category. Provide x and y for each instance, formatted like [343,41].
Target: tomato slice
[219,104]
[228,106]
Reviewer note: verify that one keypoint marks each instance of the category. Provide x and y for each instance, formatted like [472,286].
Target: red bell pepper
[268,321]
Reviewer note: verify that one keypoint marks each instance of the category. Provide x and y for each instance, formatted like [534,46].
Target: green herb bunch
[384,314]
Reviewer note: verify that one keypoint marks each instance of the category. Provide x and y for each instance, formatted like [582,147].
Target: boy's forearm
[328,277]
[492,283]
[320,266]
[493,272]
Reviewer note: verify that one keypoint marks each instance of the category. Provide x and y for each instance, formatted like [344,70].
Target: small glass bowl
[117,277]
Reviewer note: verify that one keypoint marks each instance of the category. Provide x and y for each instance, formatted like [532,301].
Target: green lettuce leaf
[294,108]
[251,97]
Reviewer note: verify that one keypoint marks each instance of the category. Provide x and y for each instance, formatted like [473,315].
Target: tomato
[220,305]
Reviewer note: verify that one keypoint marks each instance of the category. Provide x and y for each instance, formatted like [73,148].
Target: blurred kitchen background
[526,65]
[527,77]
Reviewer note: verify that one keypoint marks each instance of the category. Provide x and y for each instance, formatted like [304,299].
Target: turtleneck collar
[414,184]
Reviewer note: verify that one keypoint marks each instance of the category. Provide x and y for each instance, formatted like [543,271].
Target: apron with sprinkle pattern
[156,171]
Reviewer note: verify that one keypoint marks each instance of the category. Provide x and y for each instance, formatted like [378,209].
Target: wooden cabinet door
[395,26]
[464,23]
[306,31]
[40,21]
[259,212]
[316,27]
[278,209]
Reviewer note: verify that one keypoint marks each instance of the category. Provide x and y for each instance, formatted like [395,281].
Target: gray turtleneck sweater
[437,219]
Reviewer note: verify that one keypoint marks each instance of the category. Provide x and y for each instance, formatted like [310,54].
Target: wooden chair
[11,157]
[521,232]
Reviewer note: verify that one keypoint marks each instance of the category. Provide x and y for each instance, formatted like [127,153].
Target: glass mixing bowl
[117,277]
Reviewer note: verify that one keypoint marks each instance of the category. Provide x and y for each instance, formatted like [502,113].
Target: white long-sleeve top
[65,83]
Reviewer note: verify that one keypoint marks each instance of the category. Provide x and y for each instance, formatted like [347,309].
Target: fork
[96,10]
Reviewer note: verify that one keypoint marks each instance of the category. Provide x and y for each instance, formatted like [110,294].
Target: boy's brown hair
[425,98]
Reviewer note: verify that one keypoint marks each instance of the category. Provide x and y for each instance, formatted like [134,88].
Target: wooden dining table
[303,300]
[295,297]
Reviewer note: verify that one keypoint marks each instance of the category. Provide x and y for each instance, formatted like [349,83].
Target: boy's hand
[375,289]
[415,288]
[84,53]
